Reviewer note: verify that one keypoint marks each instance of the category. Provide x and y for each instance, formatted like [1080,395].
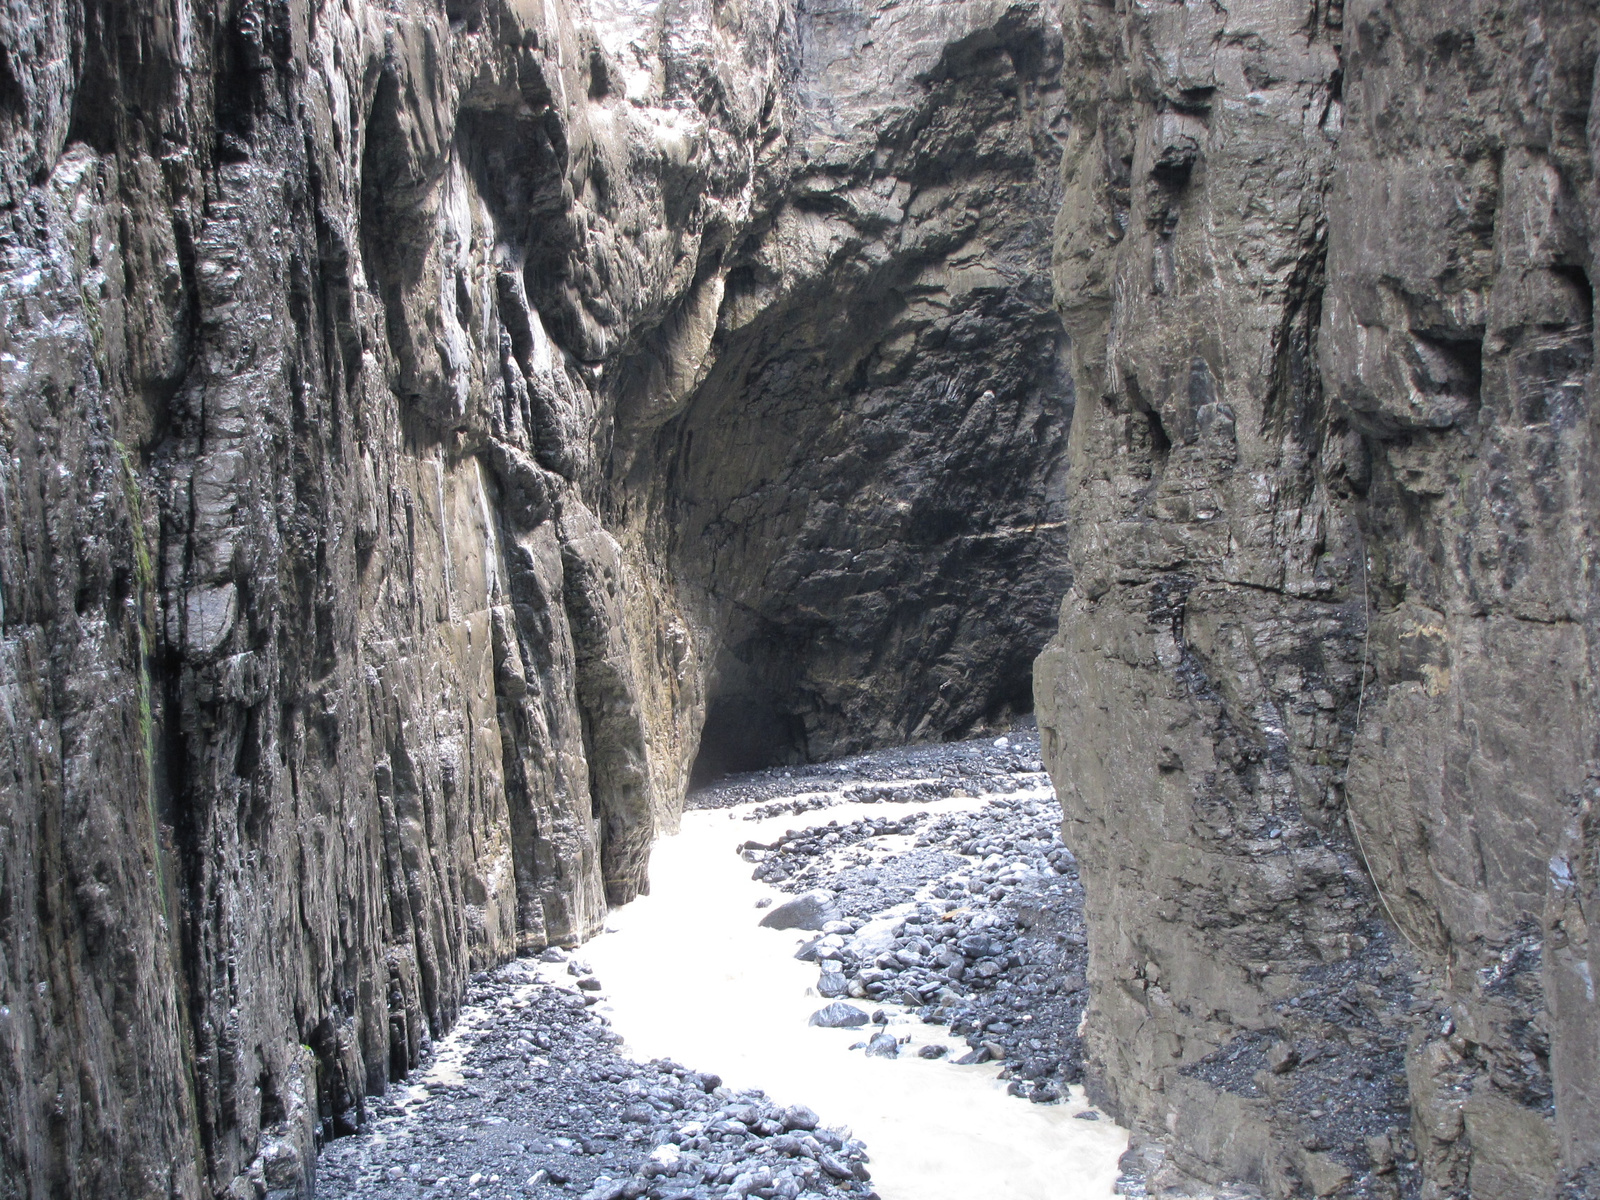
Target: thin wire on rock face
[1361,699]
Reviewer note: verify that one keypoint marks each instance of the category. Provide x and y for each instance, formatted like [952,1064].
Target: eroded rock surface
[885,417]
[406,406]
[1321,708]
[428,426]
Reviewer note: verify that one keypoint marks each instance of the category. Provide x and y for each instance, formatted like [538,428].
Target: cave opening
[1013,700]
[746,731]
[750,729]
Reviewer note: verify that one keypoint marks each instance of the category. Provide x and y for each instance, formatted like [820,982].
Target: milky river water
[690,975]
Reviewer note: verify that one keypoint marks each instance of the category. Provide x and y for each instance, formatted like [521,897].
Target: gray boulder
[839,1015]
[810,912]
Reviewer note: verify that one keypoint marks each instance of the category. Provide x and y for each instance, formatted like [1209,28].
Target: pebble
[883,1045]
[810,912]
[831,984]
[798,1116]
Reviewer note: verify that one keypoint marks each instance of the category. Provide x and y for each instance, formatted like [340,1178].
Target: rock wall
[405,410]
[871,476]
[1322,707]
[431,426]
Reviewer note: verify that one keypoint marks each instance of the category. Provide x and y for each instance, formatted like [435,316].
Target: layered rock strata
[1321,709]
[406,407]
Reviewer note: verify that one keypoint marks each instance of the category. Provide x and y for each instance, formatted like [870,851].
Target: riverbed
[691,975]
[673,1057]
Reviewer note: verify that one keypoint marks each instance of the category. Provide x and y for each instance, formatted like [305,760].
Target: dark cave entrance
[745,732]
[1012,702]
[749,730]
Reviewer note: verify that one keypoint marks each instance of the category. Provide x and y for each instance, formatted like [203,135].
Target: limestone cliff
[1322,704]
[414,414]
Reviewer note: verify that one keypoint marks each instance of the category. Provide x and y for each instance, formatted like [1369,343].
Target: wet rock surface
[418,415]
[530,1097]
[430,428]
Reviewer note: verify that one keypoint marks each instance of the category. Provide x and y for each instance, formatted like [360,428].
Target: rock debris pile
[531,1097]
[903,775]
[972,920]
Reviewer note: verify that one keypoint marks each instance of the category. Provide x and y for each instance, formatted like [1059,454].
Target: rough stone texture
[883,420]
[422,421]
[405,409]
[1321,709]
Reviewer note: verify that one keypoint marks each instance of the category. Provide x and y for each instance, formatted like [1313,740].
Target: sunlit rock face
[1321,709]
[414,415]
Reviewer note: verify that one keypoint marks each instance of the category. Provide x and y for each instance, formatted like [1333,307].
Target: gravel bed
[529,1097]
[991,946]
[972,920]
[908,774]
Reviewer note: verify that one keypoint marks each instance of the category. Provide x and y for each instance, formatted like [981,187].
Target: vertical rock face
[871,478]
[427,425]
[405,411]
[1321,708]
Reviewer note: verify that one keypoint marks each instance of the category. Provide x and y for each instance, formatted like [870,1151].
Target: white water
[690,975]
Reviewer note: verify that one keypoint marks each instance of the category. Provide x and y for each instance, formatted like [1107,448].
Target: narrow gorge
[443,436]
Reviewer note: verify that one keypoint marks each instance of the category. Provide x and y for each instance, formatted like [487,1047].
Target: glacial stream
[665,1057]
[691,975]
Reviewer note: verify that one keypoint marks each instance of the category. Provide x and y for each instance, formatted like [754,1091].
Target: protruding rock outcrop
[1322,706]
